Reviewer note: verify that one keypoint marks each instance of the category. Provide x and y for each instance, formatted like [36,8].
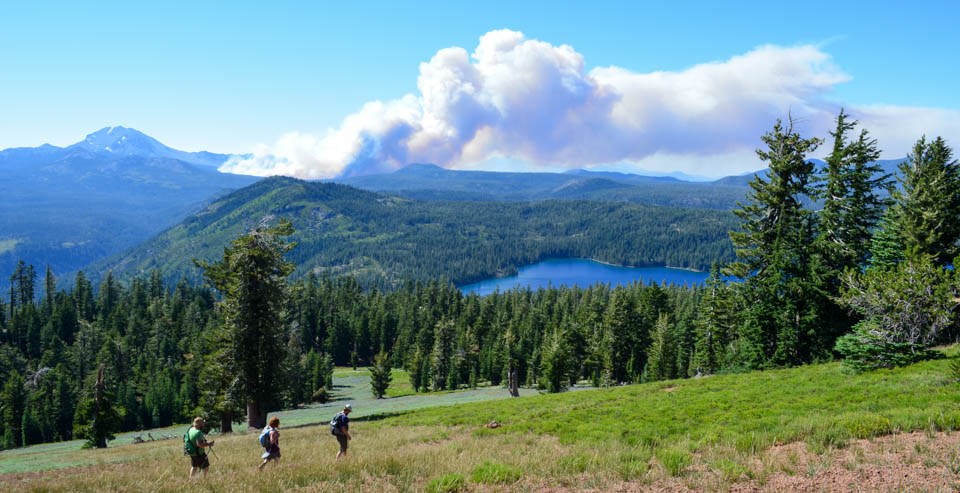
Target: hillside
[813,428]
[385,240]
[67,207]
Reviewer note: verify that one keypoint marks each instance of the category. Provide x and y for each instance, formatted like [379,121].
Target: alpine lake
[583,273]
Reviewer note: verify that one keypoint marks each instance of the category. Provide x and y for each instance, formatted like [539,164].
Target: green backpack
[189,447]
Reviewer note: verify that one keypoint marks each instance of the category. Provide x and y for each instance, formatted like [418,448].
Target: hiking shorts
[272,453]
[343,442]
[200,461]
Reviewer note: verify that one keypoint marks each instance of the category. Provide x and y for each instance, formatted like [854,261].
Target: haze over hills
[430,182]
[68,206]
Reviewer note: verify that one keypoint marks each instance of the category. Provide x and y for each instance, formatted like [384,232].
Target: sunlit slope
[384,240]
[709,431]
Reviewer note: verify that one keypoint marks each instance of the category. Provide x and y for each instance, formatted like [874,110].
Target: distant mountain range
[430,182]
[68,206]
[72,207]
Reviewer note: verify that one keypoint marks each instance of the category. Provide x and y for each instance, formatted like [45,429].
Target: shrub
[868,349]
[321,395]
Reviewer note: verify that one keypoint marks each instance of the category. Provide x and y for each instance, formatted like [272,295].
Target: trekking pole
[214,452]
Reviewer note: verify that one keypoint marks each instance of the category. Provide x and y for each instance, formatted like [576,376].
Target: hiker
[193,444]
[270,438]
[340,427]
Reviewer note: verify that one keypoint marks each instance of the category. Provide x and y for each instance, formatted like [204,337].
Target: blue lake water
[583,273]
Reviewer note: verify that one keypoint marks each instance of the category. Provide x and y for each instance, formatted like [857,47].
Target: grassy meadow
[708,433]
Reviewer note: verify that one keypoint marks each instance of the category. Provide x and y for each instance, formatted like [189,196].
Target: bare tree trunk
[512,384]
[256,418]
[226,422]
[99,435]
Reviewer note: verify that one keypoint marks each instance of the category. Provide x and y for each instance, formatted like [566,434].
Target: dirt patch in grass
[902,462]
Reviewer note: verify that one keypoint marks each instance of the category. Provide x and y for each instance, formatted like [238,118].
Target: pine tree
[22,283]
[97,416]
[13,402]
[556,364]
[622,331]
[50,290]
[380,375]
[661,356]
[252,276]
[442,355]
[714,325]
[928,204]
[775,257]
[853,199]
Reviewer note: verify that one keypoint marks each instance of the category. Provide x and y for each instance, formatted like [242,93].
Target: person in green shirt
[198,456]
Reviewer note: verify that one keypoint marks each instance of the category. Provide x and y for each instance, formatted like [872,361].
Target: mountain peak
[122,141]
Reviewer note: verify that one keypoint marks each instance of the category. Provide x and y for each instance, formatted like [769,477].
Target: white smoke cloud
[897,128]
[533,102]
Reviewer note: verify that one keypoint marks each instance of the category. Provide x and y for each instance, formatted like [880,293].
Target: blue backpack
[265,437]
[335,424]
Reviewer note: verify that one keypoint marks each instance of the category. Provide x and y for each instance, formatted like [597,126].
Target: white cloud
[529,101]
[897,128]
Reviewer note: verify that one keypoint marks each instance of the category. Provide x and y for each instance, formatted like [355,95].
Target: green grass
[495,473]
[448,483]
[708,433]
[820,404]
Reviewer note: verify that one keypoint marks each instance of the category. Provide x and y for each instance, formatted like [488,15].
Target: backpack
[265,437]
[189,448]
[335,424]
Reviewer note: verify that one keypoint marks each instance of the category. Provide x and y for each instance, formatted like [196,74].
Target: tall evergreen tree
[556,363]
[622,326]
[774,252]
[252,276]
[22,283]
[97,415]
[50,290]
[13,402]
[928,203]
[714,325]
[442,355]
[661,356]
[380,374]
[854,191]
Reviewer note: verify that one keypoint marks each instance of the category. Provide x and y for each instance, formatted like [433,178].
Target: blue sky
[287,80]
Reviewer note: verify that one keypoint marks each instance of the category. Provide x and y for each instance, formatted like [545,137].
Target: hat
[347,407]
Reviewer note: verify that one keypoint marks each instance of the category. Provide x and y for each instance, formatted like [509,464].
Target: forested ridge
[384,240]
[867,278]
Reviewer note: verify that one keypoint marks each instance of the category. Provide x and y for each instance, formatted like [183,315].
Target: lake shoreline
[583,272]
